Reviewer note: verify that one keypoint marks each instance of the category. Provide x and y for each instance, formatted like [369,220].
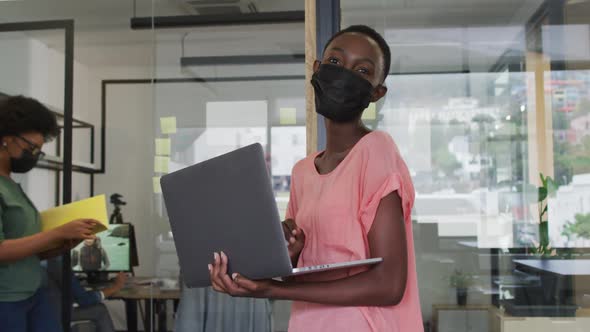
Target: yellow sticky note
[287,116]
[157,187]
[161,164]
[370,112]
[168,125]
[163,146]
[91,208]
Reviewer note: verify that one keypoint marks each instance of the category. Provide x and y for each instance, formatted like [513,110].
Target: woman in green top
[25,125]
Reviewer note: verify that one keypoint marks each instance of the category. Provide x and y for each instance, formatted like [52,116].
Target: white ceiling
[103,35]
[104,38]
[438,13]
[107,13]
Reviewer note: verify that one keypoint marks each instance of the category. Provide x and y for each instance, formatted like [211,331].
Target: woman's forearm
[16,249]
[382,285]
[370,288]
[109,291]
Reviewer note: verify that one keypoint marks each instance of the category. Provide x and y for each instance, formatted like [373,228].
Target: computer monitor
[109,252]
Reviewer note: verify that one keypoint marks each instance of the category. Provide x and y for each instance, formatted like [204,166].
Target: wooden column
[539,117]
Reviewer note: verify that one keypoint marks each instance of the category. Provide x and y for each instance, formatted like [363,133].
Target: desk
[559,267]
[504,322]
[560,270]
[133,294]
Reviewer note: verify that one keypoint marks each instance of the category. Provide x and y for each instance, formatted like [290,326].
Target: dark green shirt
[19,280]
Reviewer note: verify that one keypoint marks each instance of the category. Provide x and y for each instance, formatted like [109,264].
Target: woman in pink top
[352,201]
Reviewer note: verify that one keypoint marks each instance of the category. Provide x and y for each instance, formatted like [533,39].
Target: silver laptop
[227,204]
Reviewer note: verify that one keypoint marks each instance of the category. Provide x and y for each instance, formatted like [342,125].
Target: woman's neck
[341,137]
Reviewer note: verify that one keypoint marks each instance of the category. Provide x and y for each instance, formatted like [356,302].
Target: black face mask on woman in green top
[26,162]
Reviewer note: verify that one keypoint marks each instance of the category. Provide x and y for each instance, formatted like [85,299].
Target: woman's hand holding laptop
[295,239]
[237,285]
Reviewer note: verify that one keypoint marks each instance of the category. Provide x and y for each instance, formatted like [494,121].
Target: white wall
[14,50]
[129,164]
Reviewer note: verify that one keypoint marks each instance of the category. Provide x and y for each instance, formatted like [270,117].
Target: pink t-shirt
[336,211]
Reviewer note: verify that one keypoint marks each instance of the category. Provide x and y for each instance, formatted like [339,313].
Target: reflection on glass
[471,132]
[482,100]
[471,178]
[569,208]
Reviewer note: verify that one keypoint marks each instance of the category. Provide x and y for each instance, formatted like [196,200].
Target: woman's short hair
[375,36]
[20,114]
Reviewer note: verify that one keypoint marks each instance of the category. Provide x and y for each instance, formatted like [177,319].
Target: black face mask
[340,94]
[26,162]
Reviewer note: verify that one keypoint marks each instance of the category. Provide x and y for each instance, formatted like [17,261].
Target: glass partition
[219,89]
[493,94]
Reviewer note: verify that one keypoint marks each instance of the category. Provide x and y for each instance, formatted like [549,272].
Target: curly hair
[19,115]
[375,36]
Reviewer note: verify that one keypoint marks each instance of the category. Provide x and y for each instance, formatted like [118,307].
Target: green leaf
[543,180]
[542,194]
[552,186]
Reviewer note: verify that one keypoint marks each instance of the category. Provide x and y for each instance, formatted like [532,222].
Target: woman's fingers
[216,265]
[229,285]
[214,273]
[297,237]
[223,258]
[286,229]
[298,234]
[220,280]
[234,285]
[223,271]
[88,223]
[244,283]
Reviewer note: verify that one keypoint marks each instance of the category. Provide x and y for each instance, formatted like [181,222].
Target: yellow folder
[91,208]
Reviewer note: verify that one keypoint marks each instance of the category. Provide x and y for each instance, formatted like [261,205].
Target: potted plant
[548,187]
[461,282]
